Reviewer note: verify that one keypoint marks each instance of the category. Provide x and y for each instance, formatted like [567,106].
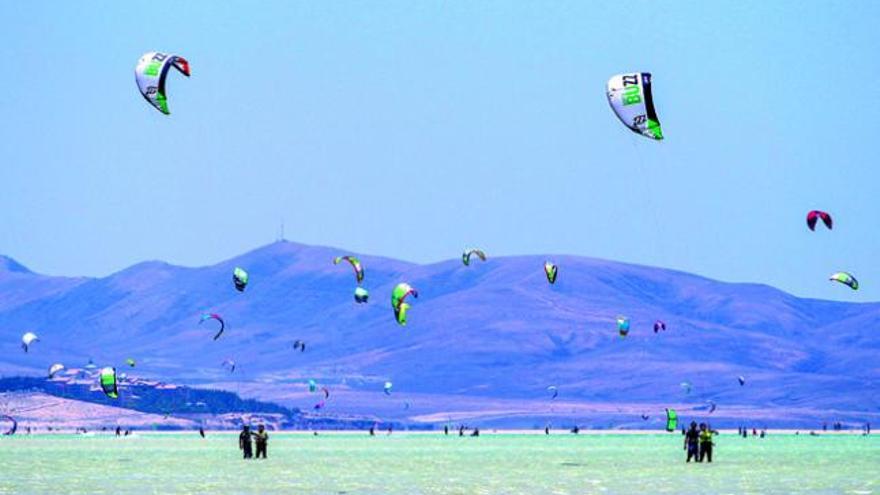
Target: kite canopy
[466,255]
[742,380]
[361,295]
[312,386]
[815,215]
[632,101]
[12,428]
[671,420]
[152,71]
[228,364]
[398,295]
[712,406]
[326,392]
[623,326]
[214,316]
[845,279]
[130,362]
[319,405]
[387,388]
[554,391]
[299,344]
[240,279]
[659,325]
[645,417]
[355,264]
[551,270]
[686,386]
[54,369]
[108,382]
[27,339]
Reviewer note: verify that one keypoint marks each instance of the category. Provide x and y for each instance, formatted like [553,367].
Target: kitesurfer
[446,429]
[244,442]
[373,431]
[118,431]
[705,442]
[692,443]
[262,438]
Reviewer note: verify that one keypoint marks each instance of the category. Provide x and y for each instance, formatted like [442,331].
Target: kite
[152,71]
[686,386]
[130,362]
[742,380]
[361,295]
[312,386]
[54,369]
[659,325]
[398,296]
[214,316]
[551,271]
[27,339]
[466,255]
[11,430]
[631,100]
[671,420]
[240,279]
[108,382]
[815,215]
[299,344]
[355,264]
[554,391]
[229,364]
[622,326]
[387,388]
[645,417]
[845,279]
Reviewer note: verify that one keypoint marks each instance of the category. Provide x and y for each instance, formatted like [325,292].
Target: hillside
[482,341]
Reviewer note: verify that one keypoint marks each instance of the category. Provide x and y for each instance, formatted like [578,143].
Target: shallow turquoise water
[416,464]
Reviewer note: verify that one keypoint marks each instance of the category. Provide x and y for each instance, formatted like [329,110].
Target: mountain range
[482,343]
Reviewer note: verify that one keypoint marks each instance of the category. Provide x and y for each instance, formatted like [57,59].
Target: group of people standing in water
[698,442]
[261,438]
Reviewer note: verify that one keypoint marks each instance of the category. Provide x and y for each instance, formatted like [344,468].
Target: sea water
[436,464]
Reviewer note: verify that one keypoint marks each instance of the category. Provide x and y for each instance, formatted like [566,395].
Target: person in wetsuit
[262,438]
[705,442]
[692,443]
[244,442]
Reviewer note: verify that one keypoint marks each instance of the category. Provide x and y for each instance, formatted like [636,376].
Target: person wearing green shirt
[262,438]
[705,442]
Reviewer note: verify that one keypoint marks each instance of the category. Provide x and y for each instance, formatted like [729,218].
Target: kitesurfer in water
[692,442]
[244,442]
[262,438]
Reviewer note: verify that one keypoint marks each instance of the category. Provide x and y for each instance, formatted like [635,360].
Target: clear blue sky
[414,129]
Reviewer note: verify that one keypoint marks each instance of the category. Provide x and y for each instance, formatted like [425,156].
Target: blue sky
[414,129]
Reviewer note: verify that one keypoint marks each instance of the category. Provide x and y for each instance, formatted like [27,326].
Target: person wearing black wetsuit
[244,442]
[692,442]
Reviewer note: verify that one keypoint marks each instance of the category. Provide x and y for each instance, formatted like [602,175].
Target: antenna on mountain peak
[281,232]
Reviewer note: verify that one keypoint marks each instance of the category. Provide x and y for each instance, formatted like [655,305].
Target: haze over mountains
[482,342]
